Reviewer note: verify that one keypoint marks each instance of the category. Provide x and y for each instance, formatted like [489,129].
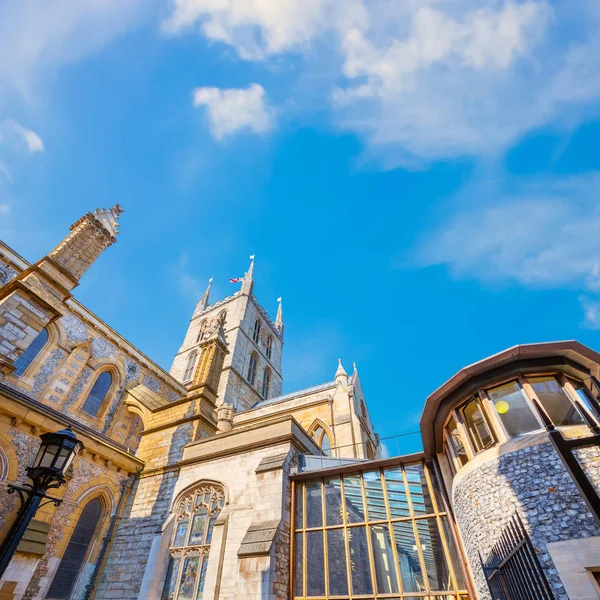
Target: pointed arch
[47,337]
[266,383]
[321,434]
[190,365]
[98,393]
[252,368]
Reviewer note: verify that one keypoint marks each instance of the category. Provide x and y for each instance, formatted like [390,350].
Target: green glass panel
[336,563]
[396,491]
[314,506]
[333,501]
[359,561]
[355,511]
[374,493]
[315,564]
[383,559]
[189,574]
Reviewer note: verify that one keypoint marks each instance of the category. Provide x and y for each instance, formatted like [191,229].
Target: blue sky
[419,180]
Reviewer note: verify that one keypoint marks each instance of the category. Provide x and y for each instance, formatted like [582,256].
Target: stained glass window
[197,512]
[376,534]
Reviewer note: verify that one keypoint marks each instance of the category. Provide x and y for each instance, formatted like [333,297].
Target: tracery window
[97,394]
[266,384]
[252,368]
[256,332]
[322,439]
[197,512]
[31,352]
[191,363]
[269,345]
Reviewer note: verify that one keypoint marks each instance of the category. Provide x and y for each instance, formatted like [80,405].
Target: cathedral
[207,482]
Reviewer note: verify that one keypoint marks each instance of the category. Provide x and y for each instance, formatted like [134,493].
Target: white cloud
[38,38]
[188,285]
[424,80]
[6,172]
[233,110]
[11,129]
[591,312]
[545,235]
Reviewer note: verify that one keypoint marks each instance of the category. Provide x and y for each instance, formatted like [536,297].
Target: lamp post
[54,457]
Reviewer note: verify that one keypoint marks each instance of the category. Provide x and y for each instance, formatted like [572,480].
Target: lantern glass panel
[50,453]
[62,461]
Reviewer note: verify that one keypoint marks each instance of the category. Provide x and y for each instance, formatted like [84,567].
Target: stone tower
[252,366]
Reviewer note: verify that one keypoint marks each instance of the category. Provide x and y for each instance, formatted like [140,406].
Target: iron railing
[512,569]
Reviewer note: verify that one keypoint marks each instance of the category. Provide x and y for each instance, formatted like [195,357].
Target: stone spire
[203,302]
[248,283]
[90,235]
[340,375]
[279,319]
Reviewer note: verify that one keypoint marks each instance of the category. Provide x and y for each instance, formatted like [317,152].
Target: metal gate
[512,569]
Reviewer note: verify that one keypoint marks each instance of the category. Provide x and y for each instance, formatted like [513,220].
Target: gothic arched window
[321,437]
[252,368]
[95,398]
[31,352]
[266,384]
[196,514]
[256,332]
[191,363]
[77,549]
[269,345]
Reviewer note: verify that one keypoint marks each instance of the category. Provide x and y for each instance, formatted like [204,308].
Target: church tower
[251,369]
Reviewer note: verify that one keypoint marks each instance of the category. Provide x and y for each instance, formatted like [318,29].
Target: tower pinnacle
[248,283]
[340,375]
[203,302]
[279,319]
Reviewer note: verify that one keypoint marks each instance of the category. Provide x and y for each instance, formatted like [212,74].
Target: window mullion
[498,429]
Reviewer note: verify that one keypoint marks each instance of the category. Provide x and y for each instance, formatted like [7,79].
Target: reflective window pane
[298,564]
[374,493]
[314,506]
[336,563]
[359,561]
[438,574]
[315,564]
[479,432]
[456,440]
[396,491]
[454,555]
[583,394]
[419,492]
[383,559]
[513,409]
[298,524]
[555,401]
[355,512]
[333,501]
[408,557]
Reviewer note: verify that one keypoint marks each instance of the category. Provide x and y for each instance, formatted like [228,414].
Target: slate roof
[304,392]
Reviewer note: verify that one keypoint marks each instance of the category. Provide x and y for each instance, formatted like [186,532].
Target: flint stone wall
[534,483]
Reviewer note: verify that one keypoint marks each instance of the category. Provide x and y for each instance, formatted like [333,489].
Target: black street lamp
[54,457]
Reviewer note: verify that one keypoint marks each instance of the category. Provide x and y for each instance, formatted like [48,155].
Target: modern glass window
[266,384]
[377,534]
[479,433]
[252,368]
[455,440]
[197,512]
[31,352]
[269,346]
[256,332]
[513,409]
[321,437]
[555,401]
[97,394]
[584,396]
[191,364]
[76,551]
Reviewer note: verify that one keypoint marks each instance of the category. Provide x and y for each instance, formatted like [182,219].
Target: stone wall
[534,483]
